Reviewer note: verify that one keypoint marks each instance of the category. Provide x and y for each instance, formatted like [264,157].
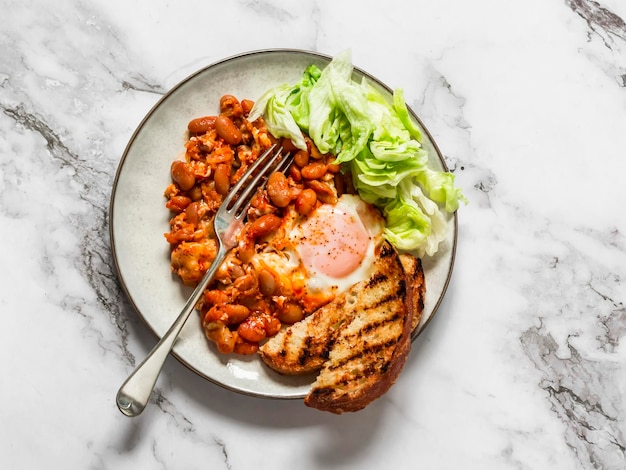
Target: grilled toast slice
[305,346]
[369,352]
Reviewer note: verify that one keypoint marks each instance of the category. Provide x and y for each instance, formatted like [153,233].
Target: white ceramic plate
[138,217]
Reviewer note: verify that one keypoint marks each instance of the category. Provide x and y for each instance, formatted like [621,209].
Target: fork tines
[270,161]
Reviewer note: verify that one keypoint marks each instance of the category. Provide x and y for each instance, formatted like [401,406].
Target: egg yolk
[332,241]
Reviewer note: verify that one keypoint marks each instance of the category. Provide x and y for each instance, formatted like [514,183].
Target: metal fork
[135,392]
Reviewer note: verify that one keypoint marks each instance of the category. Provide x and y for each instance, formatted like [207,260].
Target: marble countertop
[524,365]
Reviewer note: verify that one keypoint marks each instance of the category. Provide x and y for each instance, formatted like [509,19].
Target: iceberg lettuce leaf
[439,186]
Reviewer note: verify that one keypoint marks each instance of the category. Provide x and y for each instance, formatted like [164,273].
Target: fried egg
[317,257]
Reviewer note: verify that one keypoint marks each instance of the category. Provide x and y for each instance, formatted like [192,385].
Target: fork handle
[135,392]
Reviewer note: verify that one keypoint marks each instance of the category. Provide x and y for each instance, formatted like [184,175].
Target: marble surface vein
[524,366]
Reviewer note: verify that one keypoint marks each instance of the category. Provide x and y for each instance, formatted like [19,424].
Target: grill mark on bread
[376,279]
[328,348]
[311,348]
[389,298]
[366,351]
[367,329]
[372,326]
[306,351]
[283,351]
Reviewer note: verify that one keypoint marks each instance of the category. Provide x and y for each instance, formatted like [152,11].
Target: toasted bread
[368,353]
[360,341]
[305,346]
[416,287]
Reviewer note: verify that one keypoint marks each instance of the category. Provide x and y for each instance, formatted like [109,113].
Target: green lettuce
[413,221]
[376,141]
[286,108]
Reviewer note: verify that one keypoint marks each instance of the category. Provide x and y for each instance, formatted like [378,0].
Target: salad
[375,140]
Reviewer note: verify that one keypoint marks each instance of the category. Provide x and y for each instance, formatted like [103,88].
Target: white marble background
[524,366]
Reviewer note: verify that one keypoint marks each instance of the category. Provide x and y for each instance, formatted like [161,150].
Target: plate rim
[159,103]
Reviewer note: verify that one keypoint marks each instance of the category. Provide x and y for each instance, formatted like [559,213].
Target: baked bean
[245,283]
[184,260]
[314,151]
[214,315]
[195,193]
[227,130]
[252,329]
[256,304]
[245,348]
[324,192]
[228,314]
[201,125]
[222,178]
[230,106]
[222,273]
[263,226]
[214,297]
[305,203]
[246,251]
[193,217]
[294,192]
[272,325]
[178,203]
[278,189]
[301,158]
[221,335]
[227,102]
[287,145]
[267,282]
[295,173]
[246,106]
[313,171]
[236,271]
[236,313]
[261,202]
[183,174]
[290,313]
[333,168]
